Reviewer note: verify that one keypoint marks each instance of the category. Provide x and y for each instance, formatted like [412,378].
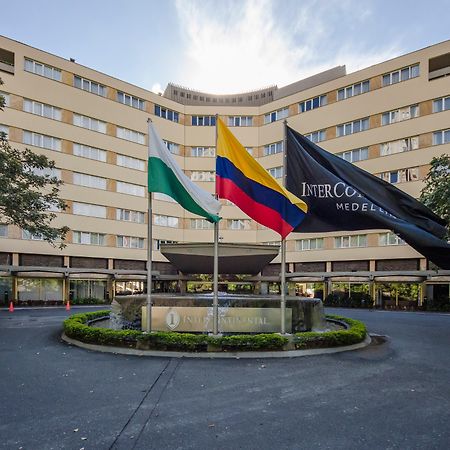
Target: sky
[225,46]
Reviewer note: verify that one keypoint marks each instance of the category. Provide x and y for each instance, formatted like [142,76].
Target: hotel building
[390,119]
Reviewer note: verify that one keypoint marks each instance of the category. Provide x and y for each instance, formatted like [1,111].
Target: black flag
[343,197]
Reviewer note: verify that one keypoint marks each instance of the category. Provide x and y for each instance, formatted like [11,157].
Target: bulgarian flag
[164,175]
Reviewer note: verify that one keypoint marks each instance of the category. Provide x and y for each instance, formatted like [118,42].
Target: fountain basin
[303,314]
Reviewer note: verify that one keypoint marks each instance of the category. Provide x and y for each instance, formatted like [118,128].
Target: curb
[216,355]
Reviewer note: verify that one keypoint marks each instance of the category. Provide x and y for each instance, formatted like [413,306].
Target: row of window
[81,83]
[51,143]
[351,241]
[90,238]
[387,148]
[166,113]
[400,175]
[349,91]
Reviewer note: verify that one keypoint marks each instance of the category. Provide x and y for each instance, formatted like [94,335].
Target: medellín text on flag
[164,175]
[243,181]
[343,197]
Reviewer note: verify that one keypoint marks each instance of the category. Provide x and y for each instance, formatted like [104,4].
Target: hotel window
[82,179]
[52,173]
[4,129]
[32,236]
[358,240]
[157,243]
[89,123]
[276,172]
[201,224]
[130,100]
[240,121]
[358,154]
[3,230]
[41,109]
[272,149]
[128,215]
[399,115]
[166,221]
[6,97]
[317,136]
[88,209]
[85,151]
[276,115]
[440,104]
[89,86]
[87,238]
[309,244]
[312,103]
[200,152]
[402,145]
[42,140]
[239,224]
[441,137]
[401,75]
[130,135]
[173,148]
[203,121]
[166,113]
[130,242]
[130,189]
[390,239]
[354,89]
[42,69]
[202,175]
[163,197]
[352,127]
[401,175]
[131,163]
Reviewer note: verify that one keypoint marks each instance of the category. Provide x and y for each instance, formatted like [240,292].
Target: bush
[250,342]
[353,335]
[77,327]
[162,340]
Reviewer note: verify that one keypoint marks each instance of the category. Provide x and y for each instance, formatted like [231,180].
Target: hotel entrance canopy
[233,258]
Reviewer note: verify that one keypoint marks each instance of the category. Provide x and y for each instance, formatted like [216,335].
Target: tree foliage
[29,192]
[436,193]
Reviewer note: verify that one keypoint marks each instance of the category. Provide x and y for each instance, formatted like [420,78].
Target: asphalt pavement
[393,395]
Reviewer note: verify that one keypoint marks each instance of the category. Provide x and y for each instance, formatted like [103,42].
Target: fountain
[303,314]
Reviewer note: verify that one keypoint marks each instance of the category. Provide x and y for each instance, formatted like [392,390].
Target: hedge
[355,333]
[77,327]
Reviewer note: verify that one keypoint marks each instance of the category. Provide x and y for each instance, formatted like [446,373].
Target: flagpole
[283,245]
[149,247]
[216,263]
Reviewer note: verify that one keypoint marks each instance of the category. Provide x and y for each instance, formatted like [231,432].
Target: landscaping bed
[81,327]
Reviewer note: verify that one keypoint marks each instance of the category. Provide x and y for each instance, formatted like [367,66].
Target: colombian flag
[243,181]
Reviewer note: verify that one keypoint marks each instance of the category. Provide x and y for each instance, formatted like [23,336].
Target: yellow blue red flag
[243,181]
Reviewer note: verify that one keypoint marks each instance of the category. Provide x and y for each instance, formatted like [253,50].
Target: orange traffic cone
[68,305]
[11,307]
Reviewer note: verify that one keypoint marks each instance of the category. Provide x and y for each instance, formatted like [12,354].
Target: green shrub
[77,327]
[162,340]
[353,335]
[250,342]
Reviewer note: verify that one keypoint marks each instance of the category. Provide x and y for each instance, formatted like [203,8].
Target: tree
[436,193]
[29,191]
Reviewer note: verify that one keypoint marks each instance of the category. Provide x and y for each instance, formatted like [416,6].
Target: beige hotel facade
[390,119]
